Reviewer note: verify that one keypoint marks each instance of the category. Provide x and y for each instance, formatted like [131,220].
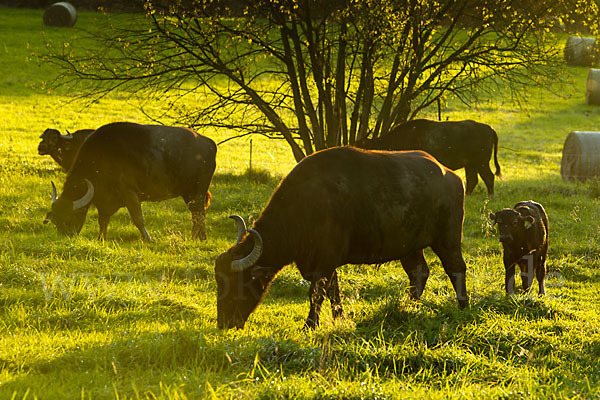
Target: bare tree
[319,73]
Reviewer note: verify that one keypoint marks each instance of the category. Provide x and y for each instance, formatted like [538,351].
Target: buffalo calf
[523,232]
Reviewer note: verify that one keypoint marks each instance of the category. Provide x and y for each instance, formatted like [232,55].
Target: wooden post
[250,163]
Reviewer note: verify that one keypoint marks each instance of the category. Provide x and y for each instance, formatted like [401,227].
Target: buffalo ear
[528,221]
[493,218]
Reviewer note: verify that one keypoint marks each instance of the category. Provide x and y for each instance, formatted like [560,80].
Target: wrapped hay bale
[592,87]
[60,14]
[581,51]
[581,156]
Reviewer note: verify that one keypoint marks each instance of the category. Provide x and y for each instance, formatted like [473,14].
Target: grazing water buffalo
[122,164]
[346,205]
[62,148]
[524,235]
[456,144]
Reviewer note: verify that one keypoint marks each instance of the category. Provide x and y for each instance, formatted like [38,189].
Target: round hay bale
[581,51]
[581,156]
[592,87]
[60,14]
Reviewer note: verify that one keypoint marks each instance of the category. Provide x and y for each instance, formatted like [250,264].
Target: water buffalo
[523,232]
[456,144]
[346,205]
[62,148]
[122,164]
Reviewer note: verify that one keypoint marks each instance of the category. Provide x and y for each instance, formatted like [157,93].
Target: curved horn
[87,198]
[54,192]
[252,258]
[241,225]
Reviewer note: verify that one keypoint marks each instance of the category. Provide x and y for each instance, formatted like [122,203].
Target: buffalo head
[241,283]
[69,214]
[512,225]
[50,141]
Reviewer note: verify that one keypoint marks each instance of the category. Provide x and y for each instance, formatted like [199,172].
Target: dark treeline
[236,6]
[233,7]
[91,5]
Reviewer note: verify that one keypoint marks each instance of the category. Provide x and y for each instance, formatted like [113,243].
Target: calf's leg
[540,274]
[509,275]
[527,270]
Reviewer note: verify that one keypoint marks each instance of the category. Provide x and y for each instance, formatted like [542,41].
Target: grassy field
[123,319]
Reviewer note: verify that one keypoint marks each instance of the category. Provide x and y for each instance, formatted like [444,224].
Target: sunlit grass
[122,319]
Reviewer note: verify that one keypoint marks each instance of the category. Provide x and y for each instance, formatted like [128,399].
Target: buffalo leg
[455,267]
[316,294]
[333,292]
[197,207]
[134,207]
[488,178]
[103,219]
[471,176]
[418,272]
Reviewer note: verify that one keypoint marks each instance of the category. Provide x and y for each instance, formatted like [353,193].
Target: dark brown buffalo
[456,144]
[346,206]
[62,148]
[122,164]
[523,232]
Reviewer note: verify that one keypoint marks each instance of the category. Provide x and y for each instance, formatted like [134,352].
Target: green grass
[123,319]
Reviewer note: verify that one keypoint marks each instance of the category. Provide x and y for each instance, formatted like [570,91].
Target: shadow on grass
[90,311]
[171,354]
[401,316]
[401,338]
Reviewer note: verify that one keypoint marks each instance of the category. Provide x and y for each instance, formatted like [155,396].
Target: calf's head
[68,213]
[241,283]
[512,226]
